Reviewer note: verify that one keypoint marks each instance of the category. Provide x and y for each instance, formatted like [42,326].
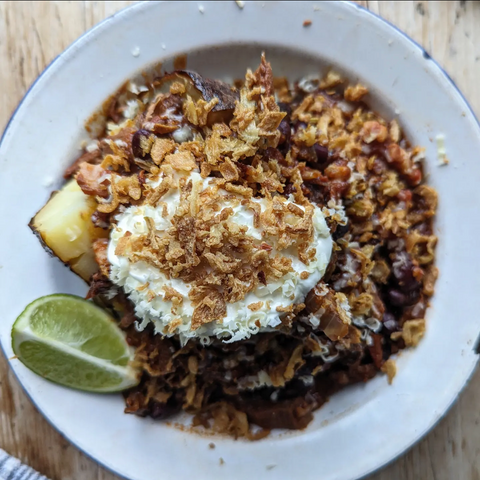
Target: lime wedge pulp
[71,341]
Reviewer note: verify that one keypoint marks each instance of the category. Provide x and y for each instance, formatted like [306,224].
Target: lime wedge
[71,341]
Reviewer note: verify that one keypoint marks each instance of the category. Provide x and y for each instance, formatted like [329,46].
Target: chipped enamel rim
[355,423]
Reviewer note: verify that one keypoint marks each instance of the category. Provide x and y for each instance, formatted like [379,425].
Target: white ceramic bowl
[362,427]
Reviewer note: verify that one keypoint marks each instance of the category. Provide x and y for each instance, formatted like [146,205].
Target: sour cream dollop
[240,322]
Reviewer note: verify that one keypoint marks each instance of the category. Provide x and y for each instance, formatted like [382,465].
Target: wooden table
[33,33]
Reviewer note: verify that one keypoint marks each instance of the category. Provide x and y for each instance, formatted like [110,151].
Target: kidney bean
[285,134]
[289,189]
[274,154]
[316,156]
[337,188]
[243,168]
[402,299]
[414,177]
[307,154]
[138,138]
[424,228]
[316,194]
[397,298]
[322,154]
[390,322]
[403,272]
[305,190]
[285,107]
[417,310]
[299,125]
[340,231]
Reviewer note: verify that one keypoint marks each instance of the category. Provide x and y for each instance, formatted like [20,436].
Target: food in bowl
[261,245]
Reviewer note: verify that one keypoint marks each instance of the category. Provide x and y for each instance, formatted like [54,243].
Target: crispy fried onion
[412,332]
[123,189]
[215,255]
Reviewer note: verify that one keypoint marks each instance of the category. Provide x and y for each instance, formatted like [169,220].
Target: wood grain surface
[33,33]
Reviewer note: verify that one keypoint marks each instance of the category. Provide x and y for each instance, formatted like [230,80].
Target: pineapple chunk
[65,227]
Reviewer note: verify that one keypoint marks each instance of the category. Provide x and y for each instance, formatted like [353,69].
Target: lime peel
[63,349]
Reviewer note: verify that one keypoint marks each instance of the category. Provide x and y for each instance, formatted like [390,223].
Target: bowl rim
[143,4]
